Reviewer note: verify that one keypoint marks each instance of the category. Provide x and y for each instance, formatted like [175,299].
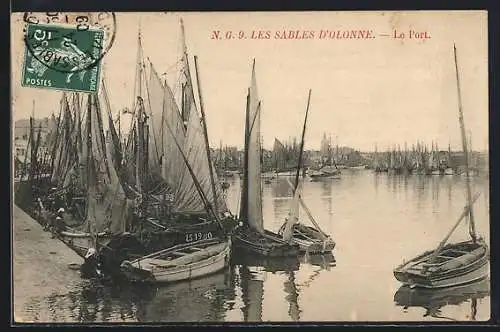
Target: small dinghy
[182,262]
[457,263]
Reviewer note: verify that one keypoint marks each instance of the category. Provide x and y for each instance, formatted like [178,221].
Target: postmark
[64,51]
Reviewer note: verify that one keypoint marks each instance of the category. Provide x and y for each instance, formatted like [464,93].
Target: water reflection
[253,272]
[433,300]
[324,261]
[203,299]
[377,221]
[90,302]
[292,296]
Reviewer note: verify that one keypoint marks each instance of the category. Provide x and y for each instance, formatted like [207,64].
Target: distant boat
[449,171]
[328,168]
[310,239]
[251,236]
[450,264]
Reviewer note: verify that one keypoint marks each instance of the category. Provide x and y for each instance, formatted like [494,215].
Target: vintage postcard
[250,166]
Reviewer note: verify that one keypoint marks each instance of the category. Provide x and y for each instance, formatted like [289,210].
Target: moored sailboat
[309,239]
[167,149]
[107,206]
[455,263]
[204,256]
[251,236]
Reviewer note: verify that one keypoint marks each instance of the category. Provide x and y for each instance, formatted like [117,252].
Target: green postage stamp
[62,57]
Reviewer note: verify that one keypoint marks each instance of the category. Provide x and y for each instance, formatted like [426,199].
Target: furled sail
[116,152]
[74,147]
[63,143]
[251,203]
[107,206]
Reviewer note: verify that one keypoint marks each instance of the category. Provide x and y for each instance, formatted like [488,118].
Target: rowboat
[455,263]
[182,262]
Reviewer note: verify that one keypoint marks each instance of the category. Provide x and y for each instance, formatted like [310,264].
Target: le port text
[411,34]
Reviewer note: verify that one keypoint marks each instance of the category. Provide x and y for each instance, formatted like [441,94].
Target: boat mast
[244,191]
[138,107]
[205,135]
[301,151]
[472,228]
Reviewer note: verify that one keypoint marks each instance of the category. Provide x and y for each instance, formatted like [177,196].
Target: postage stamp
[65,54]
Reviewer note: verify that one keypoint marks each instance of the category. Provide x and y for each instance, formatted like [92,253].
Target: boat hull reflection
[188,301]
[434,299]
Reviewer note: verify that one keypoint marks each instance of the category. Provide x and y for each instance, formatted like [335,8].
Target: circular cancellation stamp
[64,50]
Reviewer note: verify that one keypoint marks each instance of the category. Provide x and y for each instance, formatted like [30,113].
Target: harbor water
[376,220]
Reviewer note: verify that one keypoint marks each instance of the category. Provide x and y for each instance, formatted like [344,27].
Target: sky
[379,91]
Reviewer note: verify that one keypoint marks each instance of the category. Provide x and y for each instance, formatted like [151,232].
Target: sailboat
[168,167]
[309,239]
[450,264]
[107,206]
[197,187]
[251,236]
[328,167]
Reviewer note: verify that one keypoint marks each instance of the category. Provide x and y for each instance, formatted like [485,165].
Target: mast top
[183,36]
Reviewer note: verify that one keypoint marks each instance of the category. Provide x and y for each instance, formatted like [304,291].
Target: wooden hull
[269,244]
[310,240]
[209,259]
[468,267]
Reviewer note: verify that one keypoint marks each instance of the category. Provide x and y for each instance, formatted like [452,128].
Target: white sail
[175,171]
[170,158]
[252,201]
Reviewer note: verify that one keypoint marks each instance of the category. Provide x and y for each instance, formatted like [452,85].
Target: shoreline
[41,266]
